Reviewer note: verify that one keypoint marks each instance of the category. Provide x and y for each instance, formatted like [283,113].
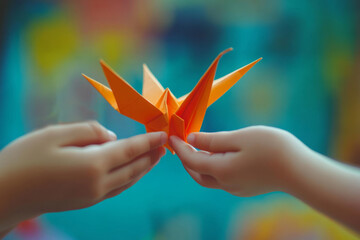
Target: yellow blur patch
[113,46]
[52,40]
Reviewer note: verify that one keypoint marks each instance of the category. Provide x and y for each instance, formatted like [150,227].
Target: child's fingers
[202,179]
[124,151]
[79,134]
[201,162]
[119,190]
[214,142]
[123,175]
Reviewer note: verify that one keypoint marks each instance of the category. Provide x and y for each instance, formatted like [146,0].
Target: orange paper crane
[157,108]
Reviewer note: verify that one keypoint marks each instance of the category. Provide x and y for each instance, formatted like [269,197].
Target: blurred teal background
[308,83]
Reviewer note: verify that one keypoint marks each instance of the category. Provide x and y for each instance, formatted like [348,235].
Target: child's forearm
[8,215]
[10,202]
[5,232]
[329,186]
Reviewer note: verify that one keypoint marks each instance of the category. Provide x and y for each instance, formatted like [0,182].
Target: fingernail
[191,138]
[112,135]
[163,138]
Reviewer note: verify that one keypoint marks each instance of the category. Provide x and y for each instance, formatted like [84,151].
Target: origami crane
[157,108]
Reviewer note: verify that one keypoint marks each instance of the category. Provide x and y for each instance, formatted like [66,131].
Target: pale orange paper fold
[157,108]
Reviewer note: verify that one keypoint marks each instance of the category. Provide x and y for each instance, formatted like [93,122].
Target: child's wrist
[294,166]
[300,167]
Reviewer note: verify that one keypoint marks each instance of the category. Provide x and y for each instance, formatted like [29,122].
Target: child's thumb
[213,142]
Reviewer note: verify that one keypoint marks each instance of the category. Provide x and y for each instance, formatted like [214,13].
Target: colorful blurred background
[308,83]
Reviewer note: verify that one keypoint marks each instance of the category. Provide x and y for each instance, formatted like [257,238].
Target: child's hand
[246,162]
[71,166]
[258,160]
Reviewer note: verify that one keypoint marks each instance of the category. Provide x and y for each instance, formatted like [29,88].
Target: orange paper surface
[157,108]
